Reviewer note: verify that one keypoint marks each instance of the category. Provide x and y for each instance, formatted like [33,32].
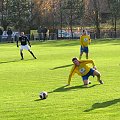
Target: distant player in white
[24,40]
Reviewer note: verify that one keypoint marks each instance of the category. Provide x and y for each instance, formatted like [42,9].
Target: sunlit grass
[22,81]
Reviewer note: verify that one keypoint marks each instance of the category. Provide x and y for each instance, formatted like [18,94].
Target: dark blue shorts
[90,73]
[84,49]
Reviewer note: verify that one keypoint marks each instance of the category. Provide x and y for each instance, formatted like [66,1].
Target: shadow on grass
[39,99]
[14,61]
[61,67]
[103,104]
[104,41]
[68,88]
[65,43]
[58,43]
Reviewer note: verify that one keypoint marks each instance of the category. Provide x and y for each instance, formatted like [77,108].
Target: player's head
[75,61]
[22,33]
[84,32]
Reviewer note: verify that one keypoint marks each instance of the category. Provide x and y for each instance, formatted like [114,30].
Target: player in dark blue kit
[24,40]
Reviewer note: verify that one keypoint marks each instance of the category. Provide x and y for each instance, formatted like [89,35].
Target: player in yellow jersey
[81,68]
[84,42]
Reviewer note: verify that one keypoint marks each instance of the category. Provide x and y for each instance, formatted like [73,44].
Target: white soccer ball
[43,95]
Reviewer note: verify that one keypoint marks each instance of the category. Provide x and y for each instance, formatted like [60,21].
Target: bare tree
[96,18]
[114,6]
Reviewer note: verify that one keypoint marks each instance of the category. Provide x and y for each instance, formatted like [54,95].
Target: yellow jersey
[85,40]
[82,69]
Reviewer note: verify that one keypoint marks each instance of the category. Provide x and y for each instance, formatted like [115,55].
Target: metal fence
[7,38]
[55,36]
[106,34]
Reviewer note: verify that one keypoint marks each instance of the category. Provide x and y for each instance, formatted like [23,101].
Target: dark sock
[32,54]
[21,55]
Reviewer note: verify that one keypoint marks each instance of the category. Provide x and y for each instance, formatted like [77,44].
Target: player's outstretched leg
[86,55]
[21,55]
[80,55]
[86,82]
[32,54]
[96,73]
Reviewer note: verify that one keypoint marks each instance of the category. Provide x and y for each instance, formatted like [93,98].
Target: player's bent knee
[85,82]
[97,73]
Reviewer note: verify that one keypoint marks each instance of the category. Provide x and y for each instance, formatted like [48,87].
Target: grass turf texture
[22,81]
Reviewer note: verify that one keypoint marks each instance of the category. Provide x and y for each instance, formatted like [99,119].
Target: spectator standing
[44,30]
[9,33]
[40,32]
[1,33]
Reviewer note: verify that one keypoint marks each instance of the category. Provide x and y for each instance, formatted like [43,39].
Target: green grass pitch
[22,81]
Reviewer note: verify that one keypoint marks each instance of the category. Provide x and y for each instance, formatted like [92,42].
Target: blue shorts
[84,49]
[90,73]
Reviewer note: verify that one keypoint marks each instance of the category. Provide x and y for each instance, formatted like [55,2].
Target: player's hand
[30,45]
[94,67]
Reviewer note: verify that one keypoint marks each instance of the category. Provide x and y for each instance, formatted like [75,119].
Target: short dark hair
[74,58]
[83,30]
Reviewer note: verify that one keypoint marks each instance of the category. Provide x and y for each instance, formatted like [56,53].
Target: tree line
[24,15]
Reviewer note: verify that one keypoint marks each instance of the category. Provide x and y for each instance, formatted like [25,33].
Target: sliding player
[81,68]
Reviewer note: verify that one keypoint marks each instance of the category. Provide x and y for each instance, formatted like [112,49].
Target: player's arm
[28,41]
[89,61]
[93,64]
[17,43]
[81,42]
[72,72]
[89,40]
